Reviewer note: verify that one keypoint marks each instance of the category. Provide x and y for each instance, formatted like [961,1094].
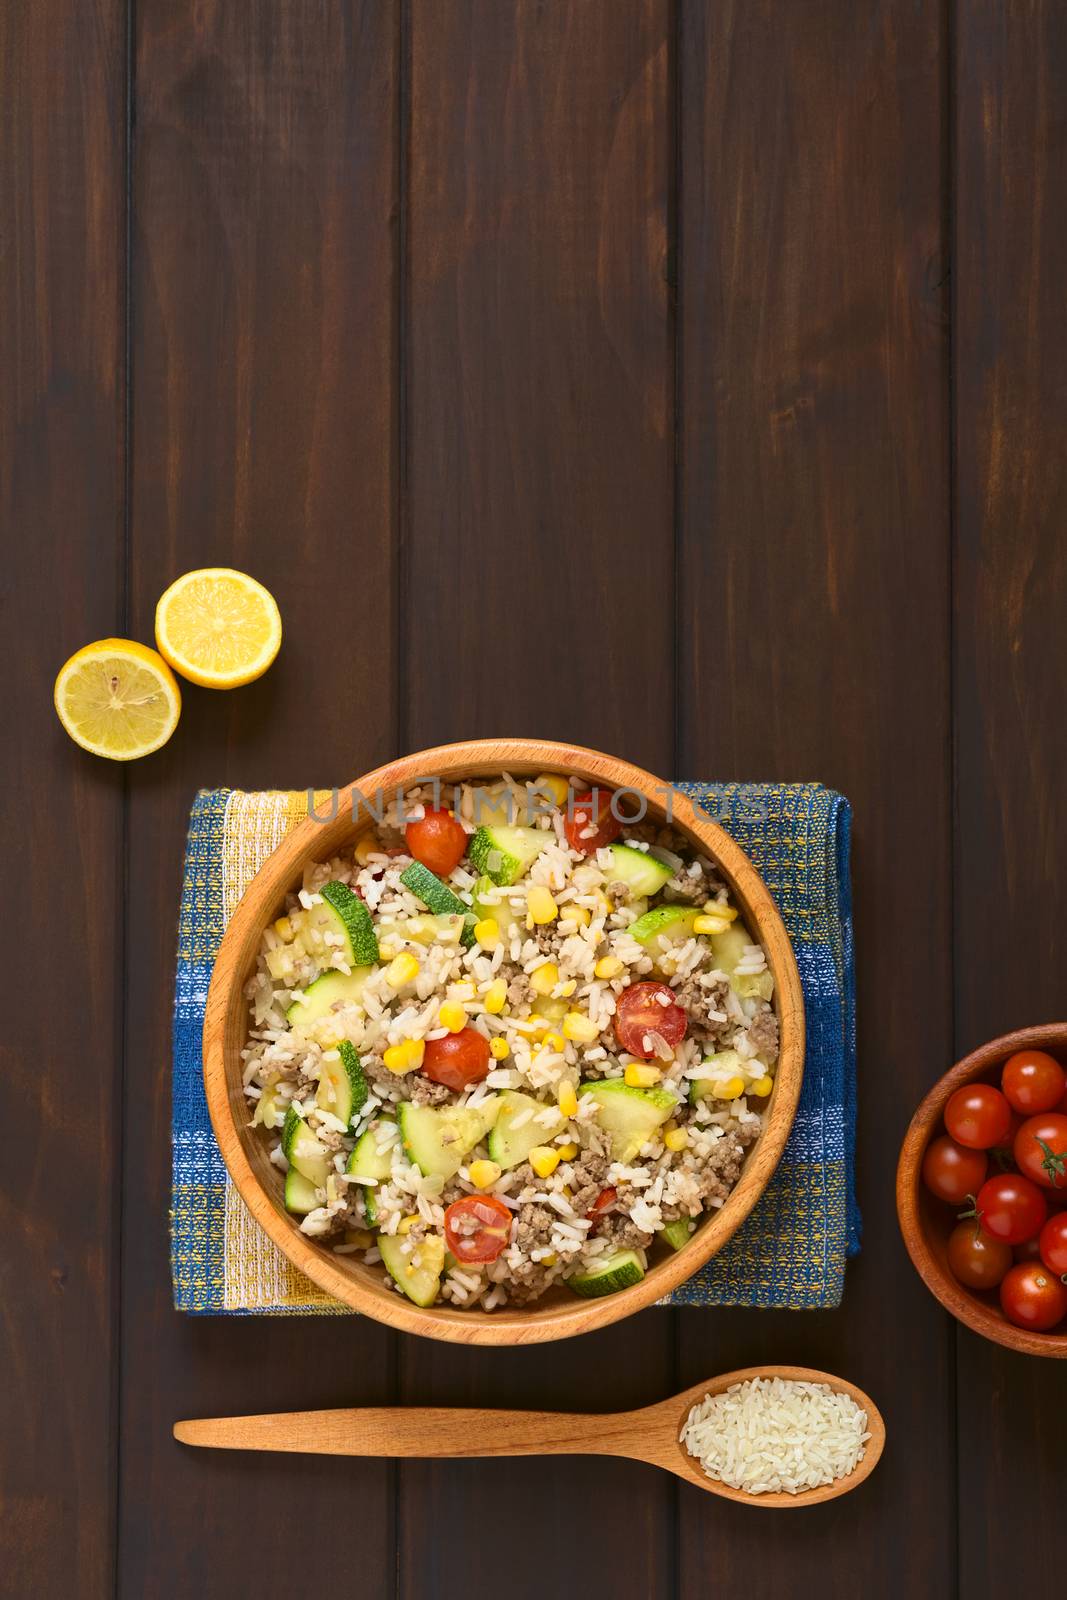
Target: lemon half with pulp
[118,699]
[218,628]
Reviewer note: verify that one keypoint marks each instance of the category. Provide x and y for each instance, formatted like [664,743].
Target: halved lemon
[218,628]
[118,698]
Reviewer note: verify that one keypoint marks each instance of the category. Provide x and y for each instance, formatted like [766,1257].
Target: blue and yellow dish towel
[790,1252]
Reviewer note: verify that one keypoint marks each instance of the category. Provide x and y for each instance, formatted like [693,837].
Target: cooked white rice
[777,1435]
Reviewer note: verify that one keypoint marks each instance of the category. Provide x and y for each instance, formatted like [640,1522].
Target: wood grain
[62,442]
[1009,347]
[368,1289]
[264,419]
[539,482]
[649,1435]
[813,609]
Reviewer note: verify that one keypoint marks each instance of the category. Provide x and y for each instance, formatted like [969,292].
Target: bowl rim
[226,1019]
[956,1299]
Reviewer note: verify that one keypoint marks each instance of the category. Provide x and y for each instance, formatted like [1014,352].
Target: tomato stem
[1054,1162]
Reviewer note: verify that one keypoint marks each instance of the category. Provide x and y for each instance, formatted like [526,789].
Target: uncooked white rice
[776,1435]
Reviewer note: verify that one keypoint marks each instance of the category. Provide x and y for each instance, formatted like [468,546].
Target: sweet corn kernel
[540,904]
[568,988]
[608,967]
[762,1086]
[400,1058]
[483,1174]
[452,1016]
[495,997]
[544,980]
[359,1237]
[676,1138]
[579,914]
[728,1088]
[368,846]
[580,1028]
[710,924]
[487,933]
[499,1049]
[606,906]
[558,788]
[568,1100]
[406,1224]
[544,1160]
[549,1260]
[386,951]
[719,908]
[555,1042]
[284,929]
[567,1152]
[402,969]
[639,1076]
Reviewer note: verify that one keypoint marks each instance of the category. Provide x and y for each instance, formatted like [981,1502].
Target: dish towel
[790,1252]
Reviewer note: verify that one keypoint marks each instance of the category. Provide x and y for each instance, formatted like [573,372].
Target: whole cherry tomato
[588,831]
[478,1227]
[1040,1150]
[975,1259]
[457,1060]
[978,1116]
[1033,1081]
[437,840]
[644,1009]
[1033,1297]
[951,1172]
[1011,1208]
[1053,1243]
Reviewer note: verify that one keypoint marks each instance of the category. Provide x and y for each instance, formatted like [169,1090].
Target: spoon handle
[415,1431]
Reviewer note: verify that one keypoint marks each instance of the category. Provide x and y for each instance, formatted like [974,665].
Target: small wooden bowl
[559,1313]
[926,1222]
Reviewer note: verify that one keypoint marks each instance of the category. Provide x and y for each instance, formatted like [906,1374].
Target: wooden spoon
[650,1434]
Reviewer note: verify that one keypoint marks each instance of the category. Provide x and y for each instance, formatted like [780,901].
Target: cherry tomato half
[1053,1243]
[1040,1150]
[951,1172]
[580,819]
[644,1009]
[603,1201]
[1033,1081]
[1033,1297]
[457,1060]
[477,1227]
[1011,1208]
[978,1116]
[437,840]
[975,1259]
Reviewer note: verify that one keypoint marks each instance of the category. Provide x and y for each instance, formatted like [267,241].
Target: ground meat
[693,885]
[375,1069]
[520,989]
[623,1232]
[534,1227]
[763,1034]
[590,1174]
[546,940]
[424,1092]
[528,1282]
[619,894]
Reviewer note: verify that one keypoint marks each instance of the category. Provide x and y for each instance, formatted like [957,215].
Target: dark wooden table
[687,380]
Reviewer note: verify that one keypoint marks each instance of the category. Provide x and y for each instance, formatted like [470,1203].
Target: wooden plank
[814,643]
[539,454]
[1009,348]
[264,437]
[62,434]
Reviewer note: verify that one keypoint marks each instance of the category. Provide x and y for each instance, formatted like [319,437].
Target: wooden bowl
[559,1313]
[926,1222]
